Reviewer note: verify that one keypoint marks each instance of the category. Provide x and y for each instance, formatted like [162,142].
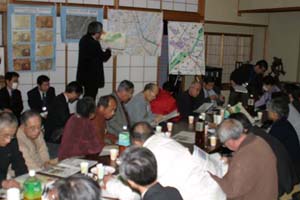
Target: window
[224,50]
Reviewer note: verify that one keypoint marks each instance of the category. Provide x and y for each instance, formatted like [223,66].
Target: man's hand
[6,184]
[106,178]
[213,97]
[158,118]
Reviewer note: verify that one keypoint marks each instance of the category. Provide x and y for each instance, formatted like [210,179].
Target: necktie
[44,99]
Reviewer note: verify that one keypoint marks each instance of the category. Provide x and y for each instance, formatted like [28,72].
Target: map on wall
[31,37]
[186,48]
[75,21]
[143,31]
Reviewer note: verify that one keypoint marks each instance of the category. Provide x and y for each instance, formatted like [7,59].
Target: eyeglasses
[34,128]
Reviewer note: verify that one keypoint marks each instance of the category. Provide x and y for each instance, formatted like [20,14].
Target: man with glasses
[252,171]
[139,106]
[9,151]
[123,95]
[31,140]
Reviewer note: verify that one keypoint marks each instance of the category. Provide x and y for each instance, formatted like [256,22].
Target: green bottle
[32,187]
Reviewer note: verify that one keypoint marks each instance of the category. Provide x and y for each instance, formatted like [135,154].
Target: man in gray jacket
[121,118]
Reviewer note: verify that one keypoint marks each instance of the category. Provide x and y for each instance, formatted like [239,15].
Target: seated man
[252,171]
[189,100]
[58,115]
[139,106]
[164,103]
[278,110]
[251,77]
[9,150]
[105,110]
[287,176]
[210,93]
[176,166]
[121,118]
[139,168]
[79,136]
[31,140]
[269,88]
[40,97]
[10,96]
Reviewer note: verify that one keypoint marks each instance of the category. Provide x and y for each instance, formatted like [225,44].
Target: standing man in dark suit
[139,168]
[90,72]
[58,115]
[9,151]
[10,96]
[40,97]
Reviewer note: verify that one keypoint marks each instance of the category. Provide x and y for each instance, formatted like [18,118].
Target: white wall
[227,11]
[284,34]
[267,4]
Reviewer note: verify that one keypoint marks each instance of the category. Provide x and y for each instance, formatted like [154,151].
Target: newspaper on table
[171,115]
[66,168]
[185,137]
[211,162]
[204,107]
[240,89]
[239,108]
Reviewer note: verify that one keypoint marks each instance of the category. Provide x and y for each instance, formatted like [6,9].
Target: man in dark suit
[90,72]
[249,76]
[58,115]
[10,96]
[139,168]
[190,100]
[9,151]
[40,97]
[282,129]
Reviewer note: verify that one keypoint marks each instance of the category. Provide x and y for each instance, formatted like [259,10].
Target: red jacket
[164,104]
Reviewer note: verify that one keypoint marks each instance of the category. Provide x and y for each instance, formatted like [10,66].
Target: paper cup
[213,141]
[84,166]
[13,194]
[191,119]
[170,126]
[158,129]
[259,115]
[114,154]
[168,134]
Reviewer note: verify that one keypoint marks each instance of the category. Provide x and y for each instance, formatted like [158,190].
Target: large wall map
[186,48]
[143,31]
[31,37]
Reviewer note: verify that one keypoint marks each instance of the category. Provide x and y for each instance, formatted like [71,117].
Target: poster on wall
[75,21]
[31,37]
[143,31]
[186,48]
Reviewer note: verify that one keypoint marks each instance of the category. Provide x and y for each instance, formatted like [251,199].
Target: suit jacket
[286,134]
[35,101]
[13,102]
[287,176]
[116,123]
[58,115]
[187,104]
[10,154]
[90,62]
[251,172]
[158,192]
